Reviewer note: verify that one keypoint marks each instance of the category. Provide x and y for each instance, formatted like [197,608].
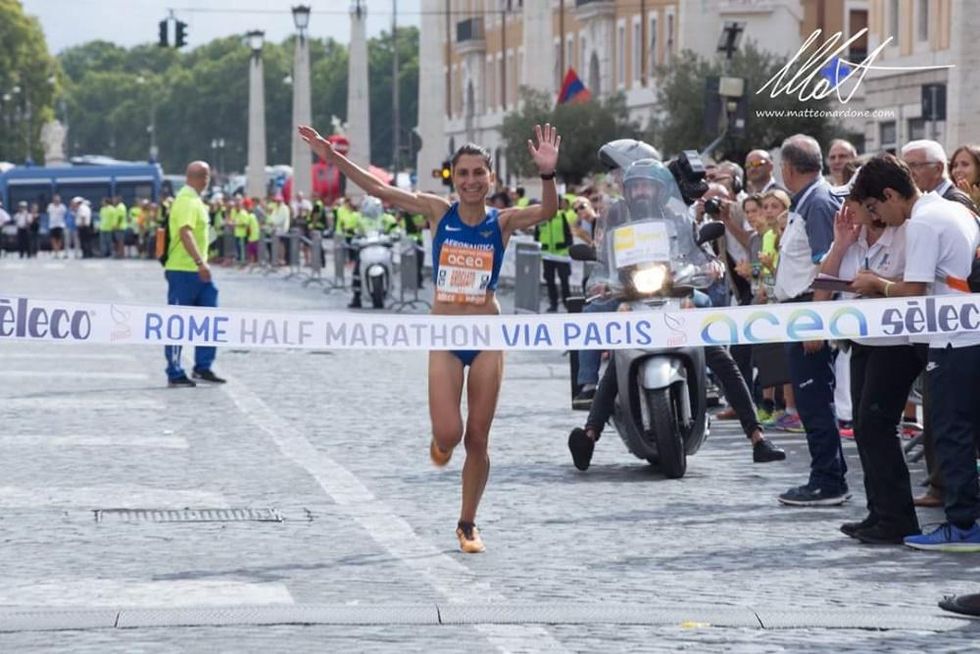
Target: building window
[557,56]
[857,21]
[636,45]
[917,129]
[621,55]
[923,19]
[652,40]
[490,85]
[893,22]
[501,81]
[582,65]
[887,136]
[668,53]
[569,55]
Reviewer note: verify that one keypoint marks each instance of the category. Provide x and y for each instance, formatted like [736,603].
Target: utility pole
[396,111]
[561,42]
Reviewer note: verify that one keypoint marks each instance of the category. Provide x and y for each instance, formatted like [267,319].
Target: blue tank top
[459,255]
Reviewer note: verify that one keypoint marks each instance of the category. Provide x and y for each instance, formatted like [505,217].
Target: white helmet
[371,207]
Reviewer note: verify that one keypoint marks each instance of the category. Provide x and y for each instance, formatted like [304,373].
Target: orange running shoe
[469,538]
[439,456]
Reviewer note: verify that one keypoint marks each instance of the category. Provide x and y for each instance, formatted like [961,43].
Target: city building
[483,51]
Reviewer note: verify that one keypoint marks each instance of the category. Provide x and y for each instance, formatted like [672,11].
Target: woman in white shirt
[882,373]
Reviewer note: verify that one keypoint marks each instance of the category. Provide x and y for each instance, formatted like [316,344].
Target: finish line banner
[30,320]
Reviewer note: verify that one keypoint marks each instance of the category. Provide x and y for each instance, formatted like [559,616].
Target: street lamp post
[255,179]
[302,106]
[151,128]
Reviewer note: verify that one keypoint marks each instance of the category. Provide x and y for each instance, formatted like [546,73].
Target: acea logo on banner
[764,326]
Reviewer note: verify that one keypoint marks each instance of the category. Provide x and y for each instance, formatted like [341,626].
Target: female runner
[468,246]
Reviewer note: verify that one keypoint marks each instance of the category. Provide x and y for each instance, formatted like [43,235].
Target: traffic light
[447,174]
[181,38]
[164,42]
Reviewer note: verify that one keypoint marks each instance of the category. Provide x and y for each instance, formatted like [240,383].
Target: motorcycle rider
[369,218]
[645,194]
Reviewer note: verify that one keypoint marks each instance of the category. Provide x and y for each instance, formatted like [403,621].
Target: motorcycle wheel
[671,456]
[377,293]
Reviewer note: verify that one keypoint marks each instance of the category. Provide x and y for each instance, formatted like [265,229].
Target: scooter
[661,407]
[376,265]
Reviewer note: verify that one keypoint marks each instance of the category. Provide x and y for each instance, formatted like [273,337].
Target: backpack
[162,250]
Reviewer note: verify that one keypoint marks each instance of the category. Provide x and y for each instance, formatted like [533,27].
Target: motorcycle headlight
[649,280]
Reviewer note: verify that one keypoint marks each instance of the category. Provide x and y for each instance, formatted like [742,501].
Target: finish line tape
[31,320]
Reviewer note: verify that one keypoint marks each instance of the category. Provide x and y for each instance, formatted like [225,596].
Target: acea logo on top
[762,326]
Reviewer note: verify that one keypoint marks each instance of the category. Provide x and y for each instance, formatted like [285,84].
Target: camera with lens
[688,170]
[712,207]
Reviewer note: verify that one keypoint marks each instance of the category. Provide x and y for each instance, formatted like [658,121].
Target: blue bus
[133,182]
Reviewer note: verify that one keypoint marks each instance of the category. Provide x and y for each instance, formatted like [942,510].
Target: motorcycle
[376,265]
[656,263]
[375,253]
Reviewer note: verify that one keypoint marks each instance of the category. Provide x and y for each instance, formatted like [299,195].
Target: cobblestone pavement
[336,441]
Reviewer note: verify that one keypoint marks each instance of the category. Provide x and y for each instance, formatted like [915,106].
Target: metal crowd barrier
[339,281]
[315,243]
[527,278]
[409,260]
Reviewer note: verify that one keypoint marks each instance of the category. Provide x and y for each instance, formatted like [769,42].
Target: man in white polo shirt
[941,243]
[807,238]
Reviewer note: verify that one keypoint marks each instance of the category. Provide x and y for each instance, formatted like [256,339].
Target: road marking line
[115,496]
[133,440]
[133,593]
[93,402]
[72,374]
[441,571]
[61,356]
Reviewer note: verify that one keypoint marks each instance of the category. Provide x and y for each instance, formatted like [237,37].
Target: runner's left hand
[545,155]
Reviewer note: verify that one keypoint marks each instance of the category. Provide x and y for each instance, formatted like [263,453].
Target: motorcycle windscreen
[651,228]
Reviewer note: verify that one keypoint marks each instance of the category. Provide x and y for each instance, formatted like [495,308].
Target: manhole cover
[188,515]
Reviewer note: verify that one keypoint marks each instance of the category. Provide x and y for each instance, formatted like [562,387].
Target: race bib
[641,243]
[464,274]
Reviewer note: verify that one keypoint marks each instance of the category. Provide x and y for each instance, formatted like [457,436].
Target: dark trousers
[742,354]
[812,376]
[719,361]
[562,269]
[953,376]
[733,384]
[186,288]
[604,400]
[23,242]
[881,378]
[354,256]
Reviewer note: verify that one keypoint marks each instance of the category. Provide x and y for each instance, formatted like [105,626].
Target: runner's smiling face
[472,179]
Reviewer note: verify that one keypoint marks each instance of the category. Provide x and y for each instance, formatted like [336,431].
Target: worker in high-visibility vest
[555,237]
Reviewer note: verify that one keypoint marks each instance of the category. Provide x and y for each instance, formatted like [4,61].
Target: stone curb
[14,619]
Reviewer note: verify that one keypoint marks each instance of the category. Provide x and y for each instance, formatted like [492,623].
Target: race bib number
[464,274]
[641,243]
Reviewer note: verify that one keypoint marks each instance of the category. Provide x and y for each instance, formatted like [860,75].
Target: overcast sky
[129,22]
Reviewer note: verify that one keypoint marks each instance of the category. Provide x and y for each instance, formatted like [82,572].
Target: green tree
[584,127]
[679,122]
[28,83]
[380,60]
[197,97]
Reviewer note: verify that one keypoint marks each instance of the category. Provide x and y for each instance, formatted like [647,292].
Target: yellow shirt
[188,210]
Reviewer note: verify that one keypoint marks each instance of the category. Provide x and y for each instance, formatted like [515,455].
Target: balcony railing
[588,9]
[470,29]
